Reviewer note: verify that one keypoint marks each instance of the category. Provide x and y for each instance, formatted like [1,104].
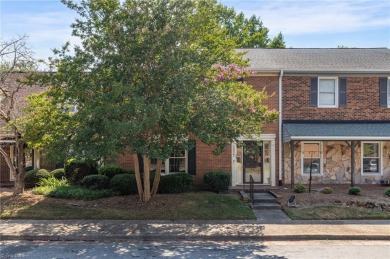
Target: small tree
[16,61]
[149,75]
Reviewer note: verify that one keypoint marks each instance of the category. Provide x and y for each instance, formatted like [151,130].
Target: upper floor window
[327,92]
[384,92]
[388,92]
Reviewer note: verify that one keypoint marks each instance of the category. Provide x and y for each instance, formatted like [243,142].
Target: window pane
[327,85]
[177,165]
[371,150]
[311,150]
[371,165]
[316,169]
[326,99]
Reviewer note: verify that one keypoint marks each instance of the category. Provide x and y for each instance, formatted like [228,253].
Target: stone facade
[336,164]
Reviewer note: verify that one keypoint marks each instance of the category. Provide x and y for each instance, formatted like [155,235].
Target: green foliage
[47,185]
[387,192]
[76,170]
[33,177]
[80,193]
[176,183]
[124,184]
[217,181]
[354,190]
[96,182]
[111,170]
[58,173]
[299,188]
[246,32]
[326,190]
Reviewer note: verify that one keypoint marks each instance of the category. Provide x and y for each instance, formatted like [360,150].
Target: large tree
[246,32]
[16,61]
[148,76]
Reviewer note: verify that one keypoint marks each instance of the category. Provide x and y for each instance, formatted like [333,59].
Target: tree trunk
[146,179]
[138,177]
[156,178]
[20,171]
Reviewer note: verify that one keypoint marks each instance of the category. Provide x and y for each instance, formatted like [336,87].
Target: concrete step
[266,206]
[264,198]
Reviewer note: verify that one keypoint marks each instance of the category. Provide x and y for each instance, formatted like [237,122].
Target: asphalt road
[267,249]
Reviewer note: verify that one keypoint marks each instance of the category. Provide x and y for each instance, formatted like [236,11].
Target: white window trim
[388,92]
[336,94]
[167,165]
[380,171]
[303,156]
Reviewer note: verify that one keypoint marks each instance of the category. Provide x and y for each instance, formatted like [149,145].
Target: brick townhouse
[334,119]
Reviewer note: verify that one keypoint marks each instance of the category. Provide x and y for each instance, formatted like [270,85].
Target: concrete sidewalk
[109,230]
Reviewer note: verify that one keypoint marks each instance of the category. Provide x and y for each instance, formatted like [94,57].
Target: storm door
[253,161]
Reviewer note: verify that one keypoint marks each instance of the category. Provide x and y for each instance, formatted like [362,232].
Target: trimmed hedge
[217,181]
[176,183]
[96,182]
[387,192]
[355,190]
[299,188]
[58,173]
[76,170]
[80,193]
[125,184]
[111,170]
[33,177]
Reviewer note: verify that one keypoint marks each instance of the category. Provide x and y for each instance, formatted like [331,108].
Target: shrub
[299,188]
[355,190]
[387,192]
[110,171]
[176,183]
[76,170]
[326,190]
[80,193]
[217,181]
[47,185]
[33,177]
[96,182]
[124,184]
[58,173]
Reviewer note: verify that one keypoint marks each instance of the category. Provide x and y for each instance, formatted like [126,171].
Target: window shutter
[141,163]
[342,92]
[314,91]
[383,92]
[192,160]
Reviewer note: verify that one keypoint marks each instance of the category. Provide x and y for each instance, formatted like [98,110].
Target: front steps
[264,201]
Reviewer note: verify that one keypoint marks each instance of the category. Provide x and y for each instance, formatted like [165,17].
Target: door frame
[257,137]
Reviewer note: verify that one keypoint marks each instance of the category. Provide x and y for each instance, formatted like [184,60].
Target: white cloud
[316,17]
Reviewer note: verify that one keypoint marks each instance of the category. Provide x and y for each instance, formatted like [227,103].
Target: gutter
[280,127]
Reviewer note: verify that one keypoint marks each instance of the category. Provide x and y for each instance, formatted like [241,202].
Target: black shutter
[383,92]
[192,160]
[342,92]
[140,162]
[314,91]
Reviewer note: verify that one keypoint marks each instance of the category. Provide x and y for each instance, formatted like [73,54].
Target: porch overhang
[336,131]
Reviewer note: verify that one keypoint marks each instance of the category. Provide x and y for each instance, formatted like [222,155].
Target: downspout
[280,127]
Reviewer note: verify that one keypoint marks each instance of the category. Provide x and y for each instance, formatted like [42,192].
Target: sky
[304,23]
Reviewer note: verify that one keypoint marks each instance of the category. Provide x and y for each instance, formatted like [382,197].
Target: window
[371,157]
[311,158]
[177,163]
[327,92]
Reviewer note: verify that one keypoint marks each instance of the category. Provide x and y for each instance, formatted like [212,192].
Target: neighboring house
[334,109]
[335,112]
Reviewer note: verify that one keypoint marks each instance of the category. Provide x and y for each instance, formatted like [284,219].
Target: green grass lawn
[334,212]
[189,206]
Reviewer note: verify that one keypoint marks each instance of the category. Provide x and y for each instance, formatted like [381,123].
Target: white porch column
[272,156]
[37,159]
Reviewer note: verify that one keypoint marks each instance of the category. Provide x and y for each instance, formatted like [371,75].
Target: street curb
[101,238]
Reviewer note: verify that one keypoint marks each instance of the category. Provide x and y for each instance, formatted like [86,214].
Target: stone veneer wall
[336,158]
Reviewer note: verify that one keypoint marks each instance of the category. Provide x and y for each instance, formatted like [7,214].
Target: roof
[336,131]
[374,60]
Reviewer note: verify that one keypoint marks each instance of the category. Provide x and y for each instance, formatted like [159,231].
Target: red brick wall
[362,101]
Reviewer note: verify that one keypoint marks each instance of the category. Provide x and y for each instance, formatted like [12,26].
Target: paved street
[198,249]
